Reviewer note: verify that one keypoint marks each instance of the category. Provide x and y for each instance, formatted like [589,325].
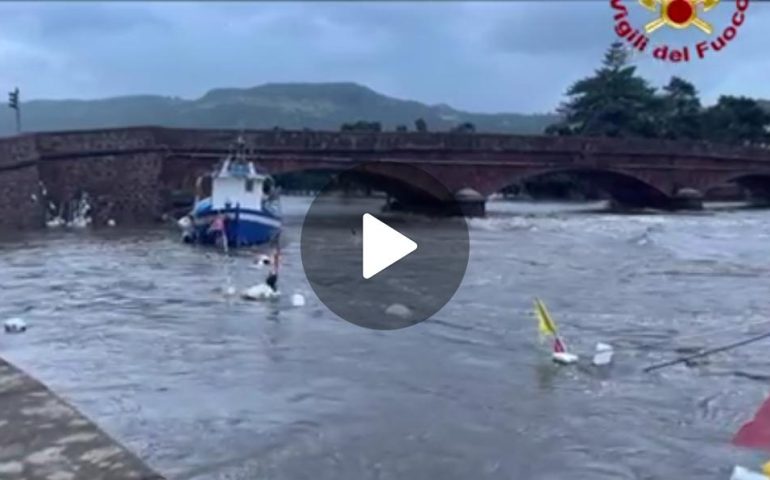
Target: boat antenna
[240,154]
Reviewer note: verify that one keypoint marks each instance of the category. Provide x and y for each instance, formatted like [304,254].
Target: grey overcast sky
[500,56]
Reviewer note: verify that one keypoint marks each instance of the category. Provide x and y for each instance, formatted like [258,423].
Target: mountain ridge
[318,106]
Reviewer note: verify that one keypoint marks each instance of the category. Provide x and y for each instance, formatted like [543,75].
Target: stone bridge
[129,172]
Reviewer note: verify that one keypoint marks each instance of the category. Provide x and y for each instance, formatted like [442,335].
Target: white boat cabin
[237,183]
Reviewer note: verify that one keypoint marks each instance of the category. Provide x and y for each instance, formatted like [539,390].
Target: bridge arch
[397,179]
[756,183]
[625,189]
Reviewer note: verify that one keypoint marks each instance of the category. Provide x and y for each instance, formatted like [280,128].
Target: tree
[361,126]
[682,112]
[614,102]
[401,128]
[736,120]
[420,125]
[466,127]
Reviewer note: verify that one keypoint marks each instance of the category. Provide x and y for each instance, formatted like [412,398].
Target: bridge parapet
[285,140]
[83,142]
[52,144]
[16,152]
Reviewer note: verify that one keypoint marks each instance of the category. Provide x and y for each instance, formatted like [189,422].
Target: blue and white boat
[243,207]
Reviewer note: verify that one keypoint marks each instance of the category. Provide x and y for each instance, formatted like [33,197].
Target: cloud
[496,56]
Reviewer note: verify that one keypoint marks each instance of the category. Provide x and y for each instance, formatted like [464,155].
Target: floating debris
[740,473]
[603,355]
[398,310]
[185,222]
[55,222]
[564,358]
[547,328]
[80,222]
[15,325]
[297,300]
[260,292]
[263,261]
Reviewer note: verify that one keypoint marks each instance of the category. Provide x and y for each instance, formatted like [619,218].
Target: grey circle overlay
[423,281]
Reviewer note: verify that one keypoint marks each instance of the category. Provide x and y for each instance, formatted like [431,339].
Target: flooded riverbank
[132,328]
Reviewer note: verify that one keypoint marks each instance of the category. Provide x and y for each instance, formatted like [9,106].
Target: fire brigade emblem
[678,14]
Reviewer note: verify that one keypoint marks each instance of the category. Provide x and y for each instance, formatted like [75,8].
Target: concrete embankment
[44,438]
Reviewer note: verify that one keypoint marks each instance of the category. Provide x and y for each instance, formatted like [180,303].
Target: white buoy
[260,292]
[15,325]
[185,222]
[603,355]
[565,358]
[111,223]
[297,300]
[398,310]
[230,291]
[740,473]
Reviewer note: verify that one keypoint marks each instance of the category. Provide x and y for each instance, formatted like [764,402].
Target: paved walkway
[43,438]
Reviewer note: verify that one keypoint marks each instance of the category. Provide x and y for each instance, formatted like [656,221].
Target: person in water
[272,278]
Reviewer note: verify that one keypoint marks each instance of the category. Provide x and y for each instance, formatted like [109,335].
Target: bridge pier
[687,199]
[467,203]
[471,202]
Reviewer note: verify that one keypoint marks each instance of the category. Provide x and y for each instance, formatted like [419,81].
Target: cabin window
[267,187]
[249,185]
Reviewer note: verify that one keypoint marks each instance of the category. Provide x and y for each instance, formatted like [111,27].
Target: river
[132,328]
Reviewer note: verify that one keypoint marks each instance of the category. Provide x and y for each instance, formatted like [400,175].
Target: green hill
[322,106]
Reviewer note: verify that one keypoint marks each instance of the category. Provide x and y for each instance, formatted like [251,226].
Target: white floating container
[297,300]
[603,355]
[565,358]
[15,325]
[185,222]
[260,292]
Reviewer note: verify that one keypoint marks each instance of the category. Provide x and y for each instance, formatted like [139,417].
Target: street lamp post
[13,102]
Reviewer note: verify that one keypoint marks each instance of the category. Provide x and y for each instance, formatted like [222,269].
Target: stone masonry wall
[129,171]
[125,188]
[20,200]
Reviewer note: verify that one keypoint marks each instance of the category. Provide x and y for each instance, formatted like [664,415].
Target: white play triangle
[382,246]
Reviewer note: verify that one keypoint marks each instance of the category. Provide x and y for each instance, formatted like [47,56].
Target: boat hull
[242,227]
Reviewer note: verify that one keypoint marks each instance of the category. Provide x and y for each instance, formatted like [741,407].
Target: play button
[382,246]
[384,268]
